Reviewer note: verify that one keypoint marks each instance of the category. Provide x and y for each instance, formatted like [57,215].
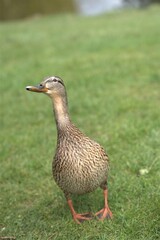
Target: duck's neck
[60,108]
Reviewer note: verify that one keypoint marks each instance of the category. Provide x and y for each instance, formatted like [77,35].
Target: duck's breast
[80,167]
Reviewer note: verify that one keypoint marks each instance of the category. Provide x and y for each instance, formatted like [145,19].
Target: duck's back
[80,164]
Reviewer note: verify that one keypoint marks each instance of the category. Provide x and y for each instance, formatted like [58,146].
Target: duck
[80,165]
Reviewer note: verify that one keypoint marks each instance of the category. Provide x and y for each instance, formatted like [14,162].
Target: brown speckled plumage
[80,165]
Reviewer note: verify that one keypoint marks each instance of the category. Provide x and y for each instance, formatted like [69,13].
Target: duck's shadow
[91,202]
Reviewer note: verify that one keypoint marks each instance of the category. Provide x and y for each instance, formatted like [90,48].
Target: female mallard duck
[80,164]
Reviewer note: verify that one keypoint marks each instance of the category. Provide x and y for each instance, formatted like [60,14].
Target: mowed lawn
[111,68]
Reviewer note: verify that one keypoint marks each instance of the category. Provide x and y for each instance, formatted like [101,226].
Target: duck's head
[51,86]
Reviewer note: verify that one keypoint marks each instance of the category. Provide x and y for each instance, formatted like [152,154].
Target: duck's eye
[40,85]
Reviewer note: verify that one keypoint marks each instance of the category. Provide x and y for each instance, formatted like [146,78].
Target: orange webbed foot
[80,218]
[104,213]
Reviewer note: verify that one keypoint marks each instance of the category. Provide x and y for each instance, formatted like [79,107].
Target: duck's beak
[39,89]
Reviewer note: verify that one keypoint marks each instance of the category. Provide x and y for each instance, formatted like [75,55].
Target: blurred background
[110,65]
[17,9]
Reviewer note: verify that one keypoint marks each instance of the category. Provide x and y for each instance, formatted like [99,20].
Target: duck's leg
[78,218]
[105,212]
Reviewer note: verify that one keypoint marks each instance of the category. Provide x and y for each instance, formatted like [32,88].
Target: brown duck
[80,165]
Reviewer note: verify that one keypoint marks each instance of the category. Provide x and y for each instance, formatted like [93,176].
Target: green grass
[110,65]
